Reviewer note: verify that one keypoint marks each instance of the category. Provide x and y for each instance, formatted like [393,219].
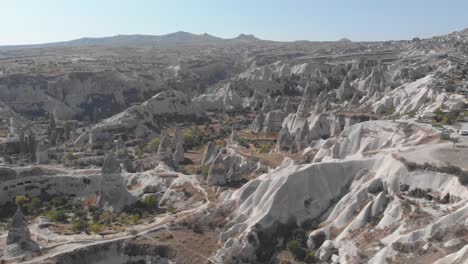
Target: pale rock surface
[113,194]
[210,153]
[164,152]
[273,121]
[345,91]
[226,99]
[19,242]
[257,123]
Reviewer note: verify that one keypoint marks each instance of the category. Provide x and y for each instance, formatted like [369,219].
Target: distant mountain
[347,40]
[179,37]
[247,38]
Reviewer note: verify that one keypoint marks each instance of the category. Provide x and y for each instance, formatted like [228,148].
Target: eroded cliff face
[119,252]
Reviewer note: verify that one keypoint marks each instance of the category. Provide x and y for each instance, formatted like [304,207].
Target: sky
[41,21]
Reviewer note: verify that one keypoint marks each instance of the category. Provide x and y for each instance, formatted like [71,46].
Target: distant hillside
[179,37]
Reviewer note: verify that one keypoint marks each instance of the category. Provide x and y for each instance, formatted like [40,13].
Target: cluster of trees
[446,118]
[85,218]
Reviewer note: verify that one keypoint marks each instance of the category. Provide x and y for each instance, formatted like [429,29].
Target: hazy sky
[39,21]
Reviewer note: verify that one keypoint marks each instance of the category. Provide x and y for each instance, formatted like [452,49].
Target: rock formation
[301,139]
[284,140]
[268,104]
[234,136]
[164,152]
[179,153]
[345,91]
[257,123]
[375,82]
[273,121]
[19,242]
[113,194]
[304,108]
[210,153]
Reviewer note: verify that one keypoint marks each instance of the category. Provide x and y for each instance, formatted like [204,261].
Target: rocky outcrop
[301,139]
[268,104]
[273,121]
[225,99]
[284,140]
[210,153]
[345,91]
[234,136]
[145,120]
[113,194]
[304,108]
[375,82]
[257,123]
[179,154]
[164,152]
[178,147]
[228,169]
[19,242]
[42,154]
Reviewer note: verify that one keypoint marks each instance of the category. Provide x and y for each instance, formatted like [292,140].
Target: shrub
[295,249]
[34,205]
[243,143]
[221,143]
[265,148]
[445,135]
[21,201]
[153,145]
[80,225]
[136,218]
[95,228]
[139,152]
[192,138]
[57,215]
[150,202]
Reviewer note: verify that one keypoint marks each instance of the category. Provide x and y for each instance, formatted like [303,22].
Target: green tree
[57,215]
[150,202]
[80,225]
[95,228]
[153,145]
[34,205]
[136,218]
[21,201]
[454,141]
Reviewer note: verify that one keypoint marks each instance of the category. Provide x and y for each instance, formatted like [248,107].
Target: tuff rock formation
[345,91]
[210,153]
[113,194]
[19,242]
[273,121]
